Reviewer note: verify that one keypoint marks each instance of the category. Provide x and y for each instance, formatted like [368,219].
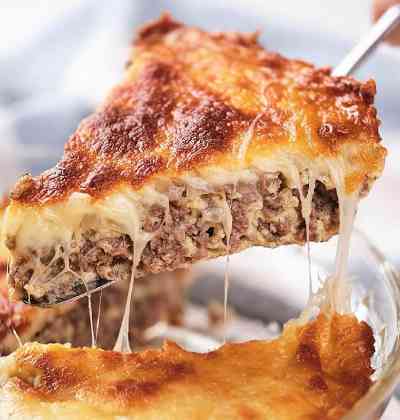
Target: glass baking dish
[375,299]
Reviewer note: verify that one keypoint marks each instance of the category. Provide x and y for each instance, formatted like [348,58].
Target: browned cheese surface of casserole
[315,371]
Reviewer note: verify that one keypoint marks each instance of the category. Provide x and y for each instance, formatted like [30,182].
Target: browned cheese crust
[187,99]
[316,371]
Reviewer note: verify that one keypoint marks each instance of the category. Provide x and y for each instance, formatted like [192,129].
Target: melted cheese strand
[335,293]
[122,344]
[99,314]
[17,337]
[139,238]
[338,286]
[227,223]
[306,208]
[139,243]
[226,291]
[90,308]
[67,268]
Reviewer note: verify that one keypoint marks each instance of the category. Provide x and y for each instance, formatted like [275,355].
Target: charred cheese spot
[129,122]
[307,354]
[318,383]
[132,391]
[203,130]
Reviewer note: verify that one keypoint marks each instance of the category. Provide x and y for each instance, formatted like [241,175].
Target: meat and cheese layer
[209,140]
[318,370]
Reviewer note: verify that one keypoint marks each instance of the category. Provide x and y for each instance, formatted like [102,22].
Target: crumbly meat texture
[157,298]
[205,122]
[319,370]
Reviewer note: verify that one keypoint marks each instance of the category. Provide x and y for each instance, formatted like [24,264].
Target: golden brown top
[316,371]
[191,98]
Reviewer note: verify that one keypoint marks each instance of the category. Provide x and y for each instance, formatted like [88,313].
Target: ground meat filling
[266,213]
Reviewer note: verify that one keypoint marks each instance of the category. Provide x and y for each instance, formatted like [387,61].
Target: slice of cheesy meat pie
[209,145]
